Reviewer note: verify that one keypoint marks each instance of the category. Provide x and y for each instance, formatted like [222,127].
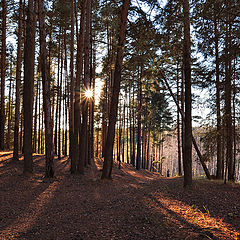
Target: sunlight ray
[25,221]
[203,220]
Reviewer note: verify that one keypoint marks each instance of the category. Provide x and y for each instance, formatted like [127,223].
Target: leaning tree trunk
[3,73]
[29,51]
[187,161]
[108,154]
[49,170]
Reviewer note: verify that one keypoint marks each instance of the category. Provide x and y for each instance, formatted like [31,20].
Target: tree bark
[108,154]
[29,52]
[49,168]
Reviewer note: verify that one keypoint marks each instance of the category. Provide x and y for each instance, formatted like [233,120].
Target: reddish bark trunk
[108,154]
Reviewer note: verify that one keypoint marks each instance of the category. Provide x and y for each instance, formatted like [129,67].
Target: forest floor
[133,205]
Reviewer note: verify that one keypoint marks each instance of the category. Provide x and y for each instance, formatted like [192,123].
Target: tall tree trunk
[21,129]
[60,102]
[108,154]
[49,168]
[35,121]
[133,131]
[29,52]
[104,119]
[41,140]
[119,142]
[228,107]
[139,116]
[65,105]
[3,73]
[18,82]
[218,100]
[128,128]
[124,129]
[183,113]
[187,161]
[9,108]
[234,119]
[148,149]
[178,129]
[92,103]
[83,150]
[39,120]
[71,112]
[56,115]
[80,47]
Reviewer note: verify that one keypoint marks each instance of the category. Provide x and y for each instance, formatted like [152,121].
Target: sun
[89,93]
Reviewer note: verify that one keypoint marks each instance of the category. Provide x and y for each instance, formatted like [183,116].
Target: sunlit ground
[203,220]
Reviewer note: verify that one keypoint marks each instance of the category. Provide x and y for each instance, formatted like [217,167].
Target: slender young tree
[49,171]
[29,52]
[108,153]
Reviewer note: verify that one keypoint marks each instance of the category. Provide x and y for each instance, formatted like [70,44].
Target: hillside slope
[134,205]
